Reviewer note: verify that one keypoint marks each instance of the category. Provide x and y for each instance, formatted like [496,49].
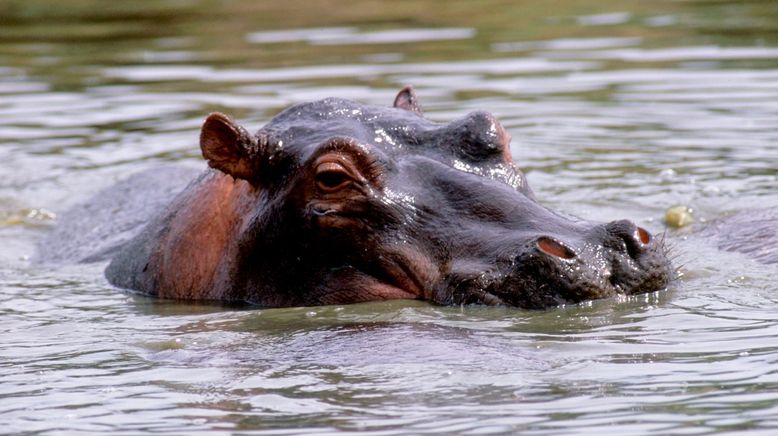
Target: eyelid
[360,162]
[326,167]
[350,166]
[332,169]
[336,162]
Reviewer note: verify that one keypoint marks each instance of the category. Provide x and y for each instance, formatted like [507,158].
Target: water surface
[617,109]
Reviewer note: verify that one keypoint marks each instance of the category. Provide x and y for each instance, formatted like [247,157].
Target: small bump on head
[481,136]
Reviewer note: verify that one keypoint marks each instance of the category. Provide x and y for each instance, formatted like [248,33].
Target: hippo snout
[611,259]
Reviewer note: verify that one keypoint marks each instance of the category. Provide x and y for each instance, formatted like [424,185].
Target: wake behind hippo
[336,202]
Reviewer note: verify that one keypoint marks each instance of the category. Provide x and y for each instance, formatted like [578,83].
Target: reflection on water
[617,109]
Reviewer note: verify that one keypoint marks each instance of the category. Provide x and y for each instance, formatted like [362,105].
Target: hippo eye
[331,176]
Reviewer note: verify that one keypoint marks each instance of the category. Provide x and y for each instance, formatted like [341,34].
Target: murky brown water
[617,109]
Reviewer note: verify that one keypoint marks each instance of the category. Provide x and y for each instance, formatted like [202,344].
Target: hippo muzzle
[618,258]
[506,248]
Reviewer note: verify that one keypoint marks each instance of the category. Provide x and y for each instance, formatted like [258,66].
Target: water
[617,109]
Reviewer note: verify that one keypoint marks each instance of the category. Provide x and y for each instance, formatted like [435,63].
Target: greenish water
[617,109]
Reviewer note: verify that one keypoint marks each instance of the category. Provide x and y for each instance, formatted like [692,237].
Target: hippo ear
[228,147]
[406,99]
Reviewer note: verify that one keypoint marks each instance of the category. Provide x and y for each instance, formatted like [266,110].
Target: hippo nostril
[643,236]
[554,248]
[634,239]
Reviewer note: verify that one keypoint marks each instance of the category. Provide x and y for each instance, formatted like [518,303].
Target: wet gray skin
[751,232]
[402,207]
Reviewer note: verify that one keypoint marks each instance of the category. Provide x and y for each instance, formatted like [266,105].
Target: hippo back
[752,233]
[95,230]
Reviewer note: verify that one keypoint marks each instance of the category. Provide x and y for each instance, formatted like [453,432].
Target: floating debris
[26,217]
[679,216]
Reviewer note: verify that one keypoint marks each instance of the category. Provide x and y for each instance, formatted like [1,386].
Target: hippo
[337,202]
[750,232]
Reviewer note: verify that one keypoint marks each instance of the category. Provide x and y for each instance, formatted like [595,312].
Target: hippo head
[362,203]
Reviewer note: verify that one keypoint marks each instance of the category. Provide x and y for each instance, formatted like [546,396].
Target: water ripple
[617,114]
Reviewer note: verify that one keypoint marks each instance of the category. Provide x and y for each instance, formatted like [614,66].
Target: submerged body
[751,232]
[336,202]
